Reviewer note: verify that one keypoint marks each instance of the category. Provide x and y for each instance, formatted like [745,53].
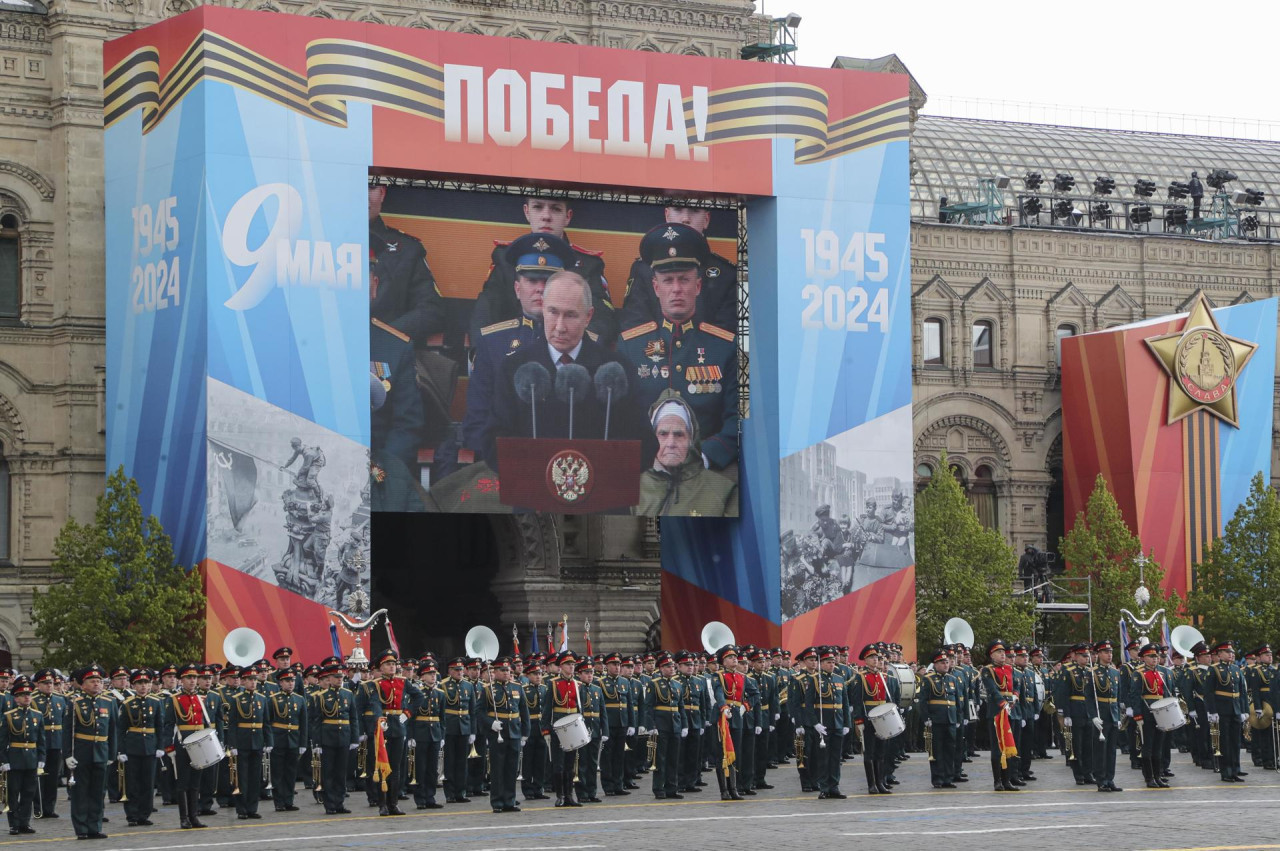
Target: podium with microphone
[569,473]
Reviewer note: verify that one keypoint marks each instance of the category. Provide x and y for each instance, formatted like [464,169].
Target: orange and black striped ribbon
[1203,483]
[341,70]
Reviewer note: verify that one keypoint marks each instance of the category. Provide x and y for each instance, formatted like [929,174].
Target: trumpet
[266,770]
[652,745]
[800,750]
[317,772]
[362,754]
[124,795]
[928,742]
[234,768]
[1215,736]
[413,764]
[4,790]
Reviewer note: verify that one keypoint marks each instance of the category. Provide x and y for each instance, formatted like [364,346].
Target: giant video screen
[531,351]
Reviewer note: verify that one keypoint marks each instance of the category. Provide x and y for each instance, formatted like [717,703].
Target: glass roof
[950,155]
[33,6]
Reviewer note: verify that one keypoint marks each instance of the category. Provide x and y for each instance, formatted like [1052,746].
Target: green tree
[963,570]
[121,598]
[1101,547]
[1235,594]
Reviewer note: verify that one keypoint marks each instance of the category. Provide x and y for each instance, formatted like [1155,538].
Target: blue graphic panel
[1247,450]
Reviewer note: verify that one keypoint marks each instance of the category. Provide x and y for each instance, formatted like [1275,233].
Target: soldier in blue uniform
[718,301]
[402,290]
[22,750]
[1104,688]
[678,352]
[505,720]
[53,709]
[287,725]
[936,702]
[139,735]
[395,426]
[90,734]
[426,735]
[548,217]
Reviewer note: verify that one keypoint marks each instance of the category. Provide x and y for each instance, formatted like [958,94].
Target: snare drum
[203,748]
[571,732]
[1167,714]
[886,721]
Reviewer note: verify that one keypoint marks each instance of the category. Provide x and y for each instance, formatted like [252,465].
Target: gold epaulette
[499,326]
[378,323]
[716,331]
[646,328]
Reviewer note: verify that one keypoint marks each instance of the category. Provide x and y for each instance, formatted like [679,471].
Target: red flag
[382,768]
[726,744]
[391,637]
[587,637]
[1004,733]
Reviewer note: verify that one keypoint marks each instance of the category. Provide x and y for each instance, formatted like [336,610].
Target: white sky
[1133,58]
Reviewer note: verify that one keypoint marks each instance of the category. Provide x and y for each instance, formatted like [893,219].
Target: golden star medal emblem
[1203,366]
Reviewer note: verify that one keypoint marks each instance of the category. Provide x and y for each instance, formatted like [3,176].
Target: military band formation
[573,727]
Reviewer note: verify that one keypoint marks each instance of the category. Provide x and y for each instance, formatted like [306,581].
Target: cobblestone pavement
[1199,812]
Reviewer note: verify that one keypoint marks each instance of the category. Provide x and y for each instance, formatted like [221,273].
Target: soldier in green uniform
[936,701]
[459,709]
[213,701]
[1227,703]
[22,750]
[1151,684]
[534,756]
[767,716]
[247,742]
[593,712]
[694,358]
[803,701]
[477,766]
[1072,701]
[697,706]
[1260,679]
[1129,675]
[287,734]
[632,669]
[118,690]
[664,719]
[617,708]
[52,707]
[732,693]
[833,704]
[426,735]
[333,731]
[1104,707]
[90,733]
[867,690]
[505,719]
[1023,714]
[140,722]
[185,712]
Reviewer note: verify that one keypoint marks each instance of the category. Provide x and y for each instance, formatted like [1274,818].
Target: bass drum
[906,682]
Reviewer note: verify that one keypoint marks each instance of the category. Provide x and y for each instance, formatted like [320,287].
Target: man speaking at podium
[564,386]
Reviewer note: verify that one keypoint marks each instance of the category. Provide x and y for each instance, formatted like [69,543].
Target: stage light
[1063,182]
[1176,215]
[1062,209]
[1032,206]
[1249,198]
[1219,178]
[1002,181]
[1033,180]
[1140,214]
[1101,211]
[1249,224]
[1104,185]
[1178,189]
[1144,188]
[792,20]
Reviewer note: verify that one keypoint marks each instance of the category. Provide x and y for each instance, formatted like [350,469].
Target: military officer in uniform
[678,352]
[52,707]
[1260,679]
[834,700]
[215,702]
[396,425]
[697,707]
[426,735]
[459,707]
[287,727]
[402,290]
[1151,685]
[593,712]
[90,735]
[617,708]
[718,300]
[333,729]
[936,701]
[1072,700]
[868,689]
[565,698]
[504,719]
[1002,715]
[140,722]
[247,742]
[767,716]
[732,693]
[185,712]
[1104,687]
[547,217]
[664,718]
[22,750]
[388,698]
[534,756]
[1227,702]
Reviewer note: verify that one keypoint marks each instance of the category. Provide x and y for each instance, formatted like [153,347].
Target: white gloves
[124,757]
[604,739]
[1213,718]
[411,743]
[471,740]
[928,722]
[404,719]
[234,752]
[5,768]
[496,726]
[742,710]
[1097,722]
[777,715]
[318,749]
[757,731]
[1259,712]
[1037,717]
[39,766]
[363,738]
[353,747]
[821,728]
[301,751]
[641,731]
[1244,716]
[1024,722]
[631,731]
[799,731]
[684,731]
[1066,722]
[844,731]
[159,754]
[268,749]
[770,728]
[1128,710]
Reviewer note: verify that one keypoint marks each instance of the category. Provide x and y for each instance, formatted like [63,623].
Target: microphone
[611,383]
[532,382]
[572,382]
[377,393]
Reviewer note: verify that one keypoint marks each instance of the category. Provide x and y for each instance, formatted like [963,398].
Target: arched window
[5,506]
[923,474]
[982,338]
[931,342]
[982,496]
[1060,333]
[10,267]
